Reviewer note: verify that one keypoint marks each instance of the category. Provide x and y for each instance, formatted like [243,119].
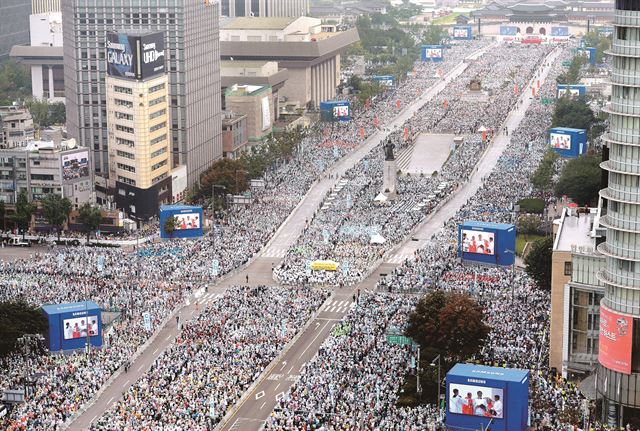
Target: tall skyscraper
[264,8]
[14,24]
[618,379]
[192,47]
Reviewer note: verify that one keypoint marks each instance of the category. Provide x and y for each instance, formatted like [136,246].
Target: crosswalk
[336,306]
[207,298]
[274,252]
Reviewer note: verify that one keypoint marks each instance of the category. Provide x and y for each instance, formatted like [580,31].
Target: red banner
[362,132]
[616,334]
[375,121]
[406,133]
[398,103]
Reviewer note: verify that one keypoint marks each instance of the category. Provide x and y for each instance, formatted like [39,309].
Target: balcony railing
[625,282]
[620,195]
[626,18]
[611,221]
[627,48]
[618,77]
[620,166]
[621,106]
[611,250]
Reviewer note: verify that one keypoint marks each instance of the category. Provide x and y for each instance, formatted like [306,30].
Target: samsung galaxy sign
[135,56]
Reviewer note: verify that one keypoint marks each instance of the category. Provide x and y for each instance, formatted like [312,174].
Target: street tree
[56,210]
[3,214]
[89,216]
[538,262]
[170,226]
[448,323]
[580,179]
[528,224]
[24,212]
[16,320]
[543,175]
[574,113]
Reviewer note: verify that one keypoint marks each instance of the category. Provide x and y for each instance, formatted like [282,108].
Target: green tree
[57,113]
[448,323]
[538,262]
[225,172]
[56,211]
[543,175]
[531,205]
[24,212]
[16,320]
[580,179]
[15,82]
[529,224]
[39,110]
[572,75]
[90,217]
[433,35]
[573,113]
[170,226]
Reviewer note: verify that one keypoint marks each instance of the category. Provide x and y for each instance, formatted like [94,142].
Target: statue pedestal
[389,176]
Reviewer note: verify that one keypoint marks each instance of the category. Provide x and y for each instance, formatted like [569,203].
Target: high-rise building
[45,6]
[14,24]
[193,63]
[264,8]
[138,123]
[618,378]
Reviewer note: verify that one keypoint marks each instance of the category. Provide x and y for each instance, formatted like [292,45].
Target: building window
[123,90]
[158,152]
[157,101]
[567,268]
[123,116]
[156,88]
[126,103]
[159,165]
[159,139]
[157,127]
[157,114]
[126,167]
[41,177]
[124,129]
[126,155]
[159,178]
[127,142]
[126,180]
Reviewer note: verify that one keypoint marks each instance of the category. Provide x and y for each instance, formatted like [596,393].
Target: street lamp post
[433,364]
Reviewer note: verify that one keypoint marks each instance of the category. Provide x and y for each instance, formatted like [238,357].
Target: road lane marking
[110,399]
[262,405]
[126,383]
[313,341]
[259,395]
[141,367]
[154,352]
[277,386]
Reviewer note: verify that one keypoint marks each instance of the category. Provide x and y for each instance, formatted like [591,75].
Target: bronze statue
[388,150]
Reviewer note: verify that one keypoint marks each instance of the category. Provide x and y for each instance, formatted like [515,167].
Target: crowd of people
[156,278]
[214,360]
[328,395]
[342,230]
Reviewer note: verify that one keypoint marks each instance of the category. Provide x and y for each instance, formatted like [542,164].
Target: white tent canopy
[381,198]
[377,239]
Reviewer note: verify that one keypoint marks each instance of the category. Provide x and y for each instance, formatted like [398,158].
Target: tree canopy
[543,175]
[16,320]
[46,114]
[170,226]
[580,179]
[56,210]
[538,262]
[448,323]
[15,82]
[90,217]
[573,113]
[24,211]
[572,75]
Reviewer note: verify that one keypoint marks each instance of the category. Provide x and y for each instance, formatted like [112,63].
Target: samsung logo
[116,45]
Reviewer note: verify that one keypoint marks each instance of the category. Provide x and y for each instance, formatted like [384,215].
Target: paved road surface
[251,415]
[259,270]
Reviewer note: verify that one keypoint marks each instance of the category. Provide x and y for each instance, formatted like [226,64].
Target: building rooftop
[574,231]
[257,23]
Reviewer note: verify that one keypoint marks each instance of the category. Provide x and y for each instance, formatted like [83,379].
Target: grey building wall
[193,62]
[14,24]
[265,8]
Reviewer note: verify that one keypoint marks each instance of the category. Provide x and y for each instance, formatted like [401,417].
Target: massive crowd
[214,360]
[342,230]
[156,278]
[328,394]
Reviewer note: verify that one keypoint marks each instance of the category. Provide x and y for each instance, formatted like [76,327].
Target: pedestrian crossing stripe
[274,252]
[338,306]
